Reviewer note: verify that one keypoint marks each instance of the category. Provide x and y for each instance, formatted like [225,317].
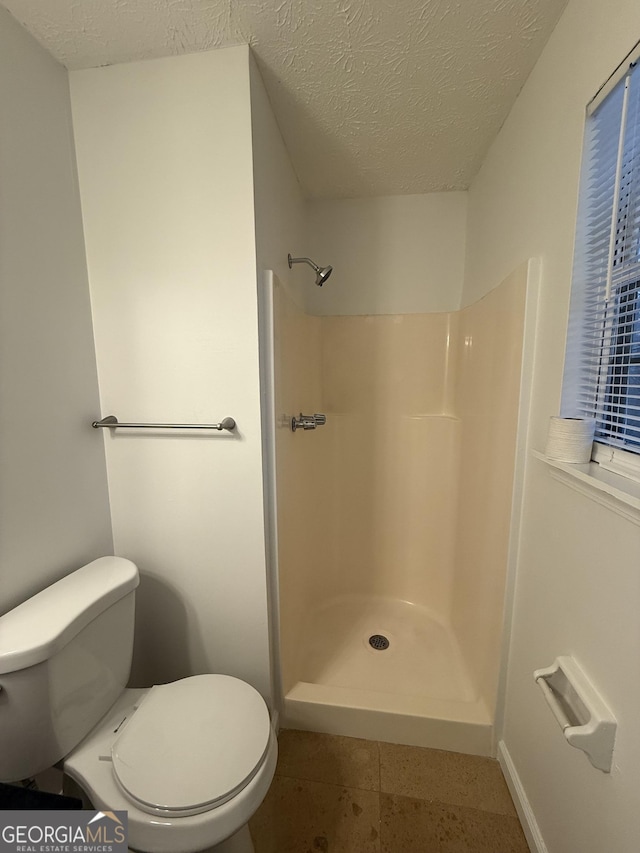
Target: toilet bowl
[189,761]
[195,804]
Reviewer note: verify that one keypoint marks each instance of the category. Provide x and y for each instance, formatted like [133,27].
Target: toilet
[189,761]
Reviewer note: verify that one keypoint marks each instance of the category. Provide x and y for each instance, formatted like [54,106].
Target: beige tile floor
[345,795]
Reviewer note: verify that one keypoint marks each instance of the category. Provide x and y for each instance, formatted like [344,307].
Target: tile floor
[345,795]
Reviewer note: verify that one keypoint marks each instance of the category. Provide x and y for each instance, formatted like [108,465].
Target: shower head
[322,273]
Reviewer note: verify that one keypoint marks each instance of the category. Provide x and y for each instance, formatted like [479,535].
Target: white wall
[280,208]
[391,255]
[280,227]
[54,511]
[165,166]
[578,583]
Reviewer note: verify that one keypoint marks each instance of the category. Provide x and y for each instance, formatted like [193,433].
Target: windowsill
[613,491]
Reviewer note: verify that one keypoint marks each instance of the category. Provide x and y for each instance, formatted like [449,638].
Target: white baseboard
[527,818]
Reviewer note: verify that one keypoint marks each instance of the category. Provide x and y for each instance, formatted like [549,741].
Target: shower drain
[378,642]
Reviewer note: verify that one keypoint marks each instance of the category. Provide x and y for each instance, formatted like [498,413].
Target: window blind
[602,373]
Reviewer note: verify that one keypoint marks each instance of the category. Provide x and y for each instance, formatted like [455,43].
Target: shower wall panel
[300,473]
[487,402]
[392,467]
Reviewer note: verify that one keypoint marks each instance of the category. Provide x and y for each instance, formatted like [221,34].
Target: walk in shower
[393,517]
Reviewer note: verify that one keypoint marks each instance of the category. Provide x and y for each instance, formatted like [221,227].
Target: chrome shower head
[322,273]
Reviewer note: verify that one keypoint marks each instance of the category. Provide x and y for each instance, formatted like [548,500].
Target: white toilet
[189,761]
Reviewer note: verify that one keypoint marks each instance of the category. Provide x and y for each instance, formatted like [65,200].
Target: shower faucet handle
[308,421]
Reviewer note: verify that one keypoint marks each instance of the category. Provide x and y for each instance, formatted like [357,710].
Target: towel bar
[111,422]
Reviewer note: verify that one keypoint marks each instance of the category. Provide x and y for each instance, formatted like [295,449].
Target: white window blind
[602,372]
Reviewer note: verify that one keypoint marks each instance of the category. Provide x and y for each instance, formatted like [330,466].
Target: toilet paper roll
[570,439]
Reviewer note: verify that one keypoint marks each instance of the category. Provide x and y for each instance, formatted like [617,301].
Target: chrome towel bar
[111,422]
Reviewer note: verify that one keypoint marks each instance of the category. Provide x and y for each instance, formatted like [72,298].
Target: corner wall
[280,228]
[578,583]
[280,208]
[165,165]
[54,507]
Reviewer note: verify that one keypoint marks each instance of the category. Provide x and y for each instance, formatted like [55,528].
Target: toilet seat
[191,745]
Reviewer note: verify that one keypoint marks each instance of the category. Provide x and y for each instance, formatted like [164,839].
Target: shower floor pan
[415,691]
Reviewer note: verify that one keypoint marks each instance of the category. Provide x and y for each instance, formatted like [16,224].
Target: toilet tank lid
[42,625]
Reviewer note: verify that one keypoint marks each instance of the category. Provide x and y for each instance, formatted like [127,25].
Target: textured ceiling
[373,97]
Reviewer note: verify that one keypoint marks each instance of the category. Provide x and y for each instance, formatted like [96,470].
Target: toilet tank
[65,657]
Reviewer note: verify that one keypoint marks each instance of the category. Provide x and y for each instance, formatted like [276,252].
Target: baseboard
[525,813]
[275,720]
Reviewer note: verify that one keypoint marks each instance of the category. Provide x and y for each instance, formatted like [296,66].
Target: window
[602,370]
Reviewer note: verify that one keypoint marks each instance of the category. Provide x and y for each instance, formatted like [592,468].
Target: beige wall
[54,508]
[487,397]
[578,583]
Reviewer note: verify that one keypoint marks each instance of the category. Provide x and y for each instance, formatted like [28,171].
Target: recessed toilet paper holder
[585,720]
